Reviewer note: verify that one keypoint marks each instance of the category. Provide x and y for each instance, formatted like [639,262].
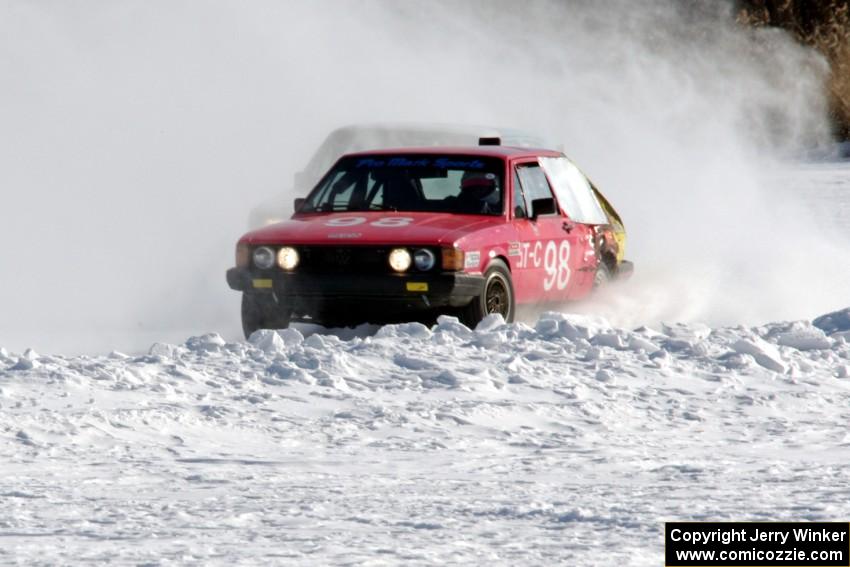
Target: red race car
[402,234]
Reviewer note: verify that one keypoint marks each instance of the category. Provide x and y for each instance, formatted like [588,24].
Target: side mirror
[299,202]
[540,207]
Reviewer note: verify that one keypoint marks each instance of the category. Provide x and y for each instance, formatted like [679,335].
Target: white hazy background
[136,136]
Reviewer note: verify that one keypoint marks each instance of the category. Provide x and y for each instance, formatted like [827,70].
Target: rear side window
[534,184]
[574,191]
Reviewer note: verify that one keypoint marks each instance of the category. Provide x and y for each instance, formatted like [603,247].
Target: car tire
[497,297]
[603,275]
[262,312]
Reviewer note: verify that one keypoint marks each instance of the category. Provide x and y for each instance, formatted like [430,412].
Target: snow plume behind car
[138,136]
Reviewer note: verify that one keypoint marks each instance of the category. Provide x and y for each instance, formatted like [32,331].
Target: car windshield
[426,183]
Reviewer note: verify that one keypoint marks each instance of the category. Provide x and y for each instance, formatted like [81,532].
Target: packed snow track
[566,442]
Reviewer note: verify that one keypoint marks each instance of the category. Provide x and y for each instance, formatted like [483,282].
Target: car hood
[371,228]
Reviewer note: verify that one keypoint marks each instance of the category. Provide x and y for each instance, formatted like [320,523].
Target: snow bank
[417,444]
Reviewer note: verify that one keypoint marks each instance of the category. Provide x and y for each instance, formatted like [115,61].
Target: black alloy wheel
[497,296]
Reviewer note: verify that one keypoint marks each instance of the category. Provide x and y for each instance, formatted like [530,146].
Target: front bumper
[309,292]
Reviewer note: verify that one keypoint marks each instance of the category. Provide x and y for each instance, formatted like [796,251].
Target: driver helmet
[480,186]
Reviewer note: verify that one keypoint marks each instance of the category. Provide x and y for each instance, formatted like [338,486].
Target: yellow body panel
[620,237]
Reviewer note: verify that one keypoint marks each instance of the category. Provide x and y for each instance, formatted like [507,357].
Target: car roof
[511,136]
[482,151]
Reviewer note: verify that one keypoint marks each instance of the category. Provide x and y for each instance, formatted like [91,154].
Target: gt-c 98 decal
[553,256]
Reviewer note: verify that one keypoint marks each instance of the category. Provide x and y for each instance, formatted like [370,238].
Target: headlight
[399,259]
[423,259]
[264,257]
[287,258]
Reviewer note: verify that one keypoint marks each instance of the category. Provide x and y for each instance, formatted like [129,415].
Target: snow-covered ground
[563,441]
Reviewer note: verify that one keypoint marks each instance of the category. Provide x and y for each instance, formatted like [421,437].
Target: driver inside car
[479,194]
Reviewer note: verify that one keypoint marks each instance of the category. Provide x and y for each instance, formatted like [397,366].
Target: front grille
[344,260]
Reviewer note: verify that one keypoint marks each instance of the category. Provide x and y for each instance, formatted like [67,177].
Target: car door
[580,205]
[545,261]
